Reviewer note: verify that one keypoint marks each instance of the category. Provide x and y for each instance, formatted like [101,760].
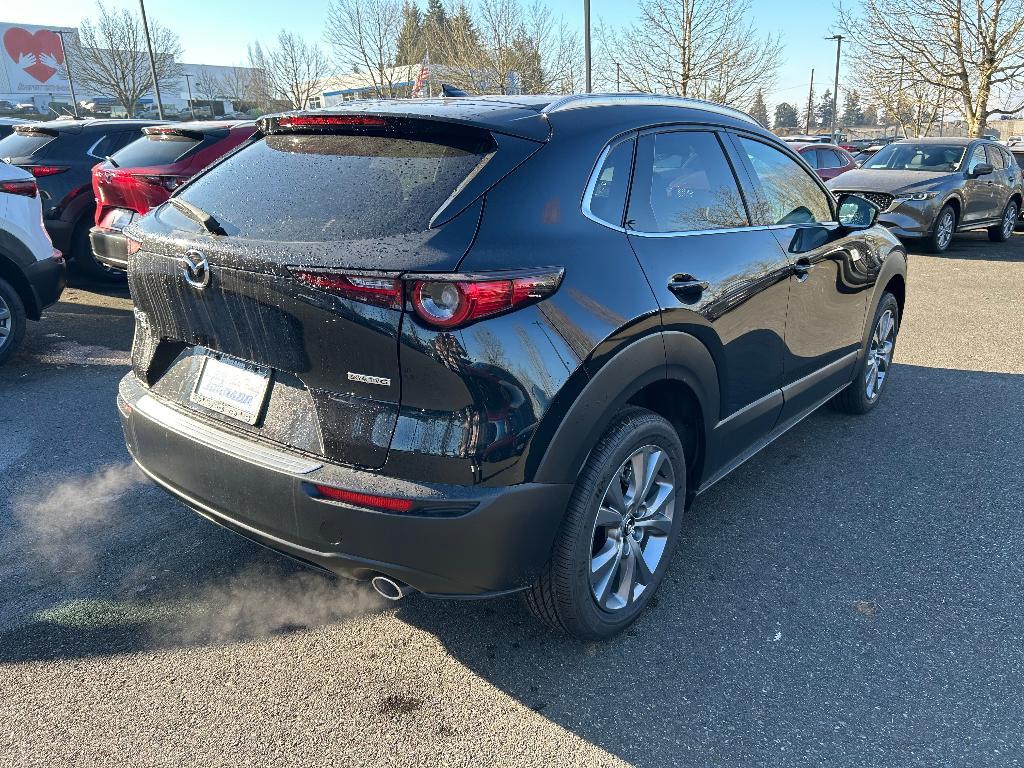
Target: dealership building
[32,72]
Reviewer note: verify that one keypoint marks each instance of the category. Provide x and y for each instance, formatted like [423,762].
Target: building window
[314,103]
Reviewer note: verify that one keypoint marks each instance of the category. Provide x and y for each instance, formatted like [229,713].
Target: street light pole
[586,41]
[618,76]
[152,66]
[188,84]
[67,68]
[810,105]
[835,89]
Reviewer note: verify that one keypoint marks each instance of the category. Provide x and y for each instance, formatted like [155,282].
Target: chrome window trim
[94,145]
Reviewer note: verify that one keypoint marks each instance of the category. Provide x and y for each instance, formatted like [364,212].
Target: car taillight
[382,291]
[372,500]
[27,188]
[449,303]
[329,121]
[132,245]
[170,183]
[45,170]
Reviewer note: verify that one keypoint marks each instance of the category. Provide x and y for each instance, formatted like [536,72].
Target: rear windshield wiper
[209,223]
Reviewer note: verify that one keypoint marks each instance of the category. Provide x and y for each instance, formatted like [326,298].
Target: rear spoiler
[170,130]
[35,129]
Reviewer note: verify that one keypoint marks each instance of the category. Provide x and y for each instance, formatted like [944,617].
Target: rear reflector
[372,500]
[132,245]
[27,188]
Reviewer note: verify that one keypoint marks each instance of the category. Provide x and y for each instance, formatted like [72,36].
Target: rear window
[23,144]
[1019,157]
[330,187]
[155,150]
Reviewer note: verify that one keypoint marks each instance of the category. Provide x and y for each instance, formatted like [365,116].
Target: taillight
[132,245]
[449,303]
[170,183]
[329,121]
[381,291]
[27,188]
[45,170]
[372,500]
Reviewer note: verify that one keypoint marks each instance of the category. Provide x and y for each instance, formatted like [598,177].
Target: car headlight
[915,195]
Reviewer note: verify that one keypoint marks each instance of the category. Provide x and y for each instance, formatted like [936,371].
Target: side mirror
[982,169]
[856,213]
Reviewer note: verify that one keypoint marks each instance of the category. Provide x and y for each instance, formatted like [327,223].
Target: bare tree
[696,48]
[231,83]
[973,47]
[110,55]
[293,70]
[500,45]
[365,34]
[913,104]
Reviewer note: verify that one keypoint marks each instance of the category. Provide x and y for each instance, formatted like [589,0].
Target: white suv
[31,269]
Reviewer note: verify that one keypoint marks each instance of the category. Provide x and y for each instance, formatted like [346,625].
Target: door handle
[801,268]
[687,288]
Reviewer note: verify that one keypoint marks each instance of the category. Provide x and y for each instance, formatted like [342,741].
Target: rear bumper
[47,278]
[109,247]
[465,541]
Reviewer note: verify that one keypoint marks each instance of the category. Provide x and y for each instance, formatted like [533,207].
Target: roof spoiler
[35,128]
[170,130]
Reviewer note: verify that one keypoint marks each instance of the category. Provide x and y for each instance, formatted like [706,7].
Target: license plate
[232,387]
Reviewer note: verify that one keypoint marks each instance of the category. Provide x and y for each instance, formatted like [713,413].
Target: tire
[81,252]
[862,395]
[1004,230]
[940,238]
[12,321]
[563,596]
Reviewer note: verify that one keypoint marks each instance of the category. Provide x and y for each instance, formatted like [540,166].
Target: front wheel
[619,532]
[873,369]
[1003,231]
[942,230]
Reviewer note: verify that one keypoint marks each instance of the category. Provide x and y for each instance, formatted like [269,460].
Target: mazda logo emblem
[195,269]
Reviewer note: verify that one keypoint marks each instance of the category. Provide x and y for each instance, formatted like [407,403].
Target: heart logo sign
[38,53]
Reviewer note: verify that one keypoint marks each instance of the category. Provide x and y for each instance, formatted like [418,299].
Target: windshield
[918,157]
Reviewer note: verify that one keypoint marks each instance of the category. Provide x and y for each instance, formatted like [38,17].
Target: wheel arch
[11,272]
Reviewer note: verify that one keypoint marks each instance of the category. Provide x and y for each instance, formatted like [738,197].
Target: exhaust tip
[390,589]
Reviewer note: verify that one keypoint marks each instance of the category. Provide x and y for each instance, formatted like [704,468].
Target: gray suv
[932,188]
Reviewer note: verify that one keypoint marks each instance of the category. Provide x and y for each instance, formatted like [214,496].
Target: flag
[422,79]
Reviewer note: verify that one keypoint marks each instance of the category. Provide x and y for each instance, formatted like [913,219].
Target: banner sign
[32,60]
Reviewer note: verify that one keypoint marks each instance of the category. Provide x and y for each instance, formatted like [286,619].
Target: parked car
[929,189]
[61,154]
[863,155]
[827,160]
[1017,151]
[31,269]
[8,124]
[146,172]
[809,139]
[473,347]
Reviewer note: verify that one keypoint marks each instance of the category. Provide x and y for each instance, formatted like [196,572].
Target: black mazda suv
[474,346]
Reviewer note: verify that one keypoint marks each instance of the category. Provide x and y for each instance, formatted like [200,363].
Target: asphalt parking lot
[850,597]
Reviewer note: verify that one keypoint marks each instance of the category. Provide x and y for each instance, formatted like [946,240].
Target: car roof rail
[579,100]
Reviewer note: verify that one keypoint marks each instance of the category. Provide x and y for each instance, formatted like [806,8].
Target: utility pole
[835,89]
[188,85]
[810,106]
[586,41]
[152,66]
[67,68]
[942,108]
[618,76]
[899,102]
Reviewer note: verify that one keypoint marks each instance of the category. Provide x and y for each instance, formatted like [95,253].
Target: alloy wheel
[944,230]
[632,528]
[880,354]
[6,323]
[1009,220]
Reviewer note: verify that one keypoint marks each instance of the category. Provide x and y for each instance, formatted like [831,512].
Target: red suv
[827,160]
[143,174]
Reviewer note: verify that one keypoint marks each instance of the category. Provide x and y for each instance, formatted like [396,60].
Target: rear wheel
[942,230]
[620,530]
[81,252]
[12,321]
[1004,230]
[873,369]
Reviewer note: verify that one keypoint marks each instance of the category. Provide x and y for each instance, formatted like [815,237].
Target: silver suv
[932,188]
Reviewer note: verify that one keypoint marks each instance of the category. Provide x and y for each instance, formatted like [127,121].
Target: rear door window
[828,158]
[331,187]
[790,194]
[155,150]
[684,183]
[23,144]
[995,157]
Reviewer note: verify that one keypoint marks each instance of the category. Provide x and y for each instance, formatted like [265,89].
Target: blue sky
[217,31]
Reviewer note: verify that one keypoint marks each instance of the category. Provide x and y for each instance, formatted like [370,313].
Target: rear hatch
[247,310]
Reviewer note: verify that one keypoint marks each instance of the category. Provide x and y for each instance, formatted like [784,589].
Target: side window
[683,183]
[607,193]
[111,142]
[791,195]
[977,156]
[995,157]
[812,158]
[829,158]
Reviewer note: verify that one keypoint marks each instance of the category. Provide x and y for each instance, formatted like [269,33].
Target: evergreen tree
[870,116]
[853,115]
[411,43]
[786,116]
[824,110]
[759,110]
[435,25]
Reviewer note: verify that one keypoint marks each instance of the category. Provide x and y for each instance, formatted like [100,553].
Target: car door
[714,275]
[1004,179]
[979,191]
[831,274]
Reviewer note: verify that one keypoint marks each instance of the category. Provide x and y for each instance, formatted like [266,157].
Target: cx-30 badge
[196,269]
